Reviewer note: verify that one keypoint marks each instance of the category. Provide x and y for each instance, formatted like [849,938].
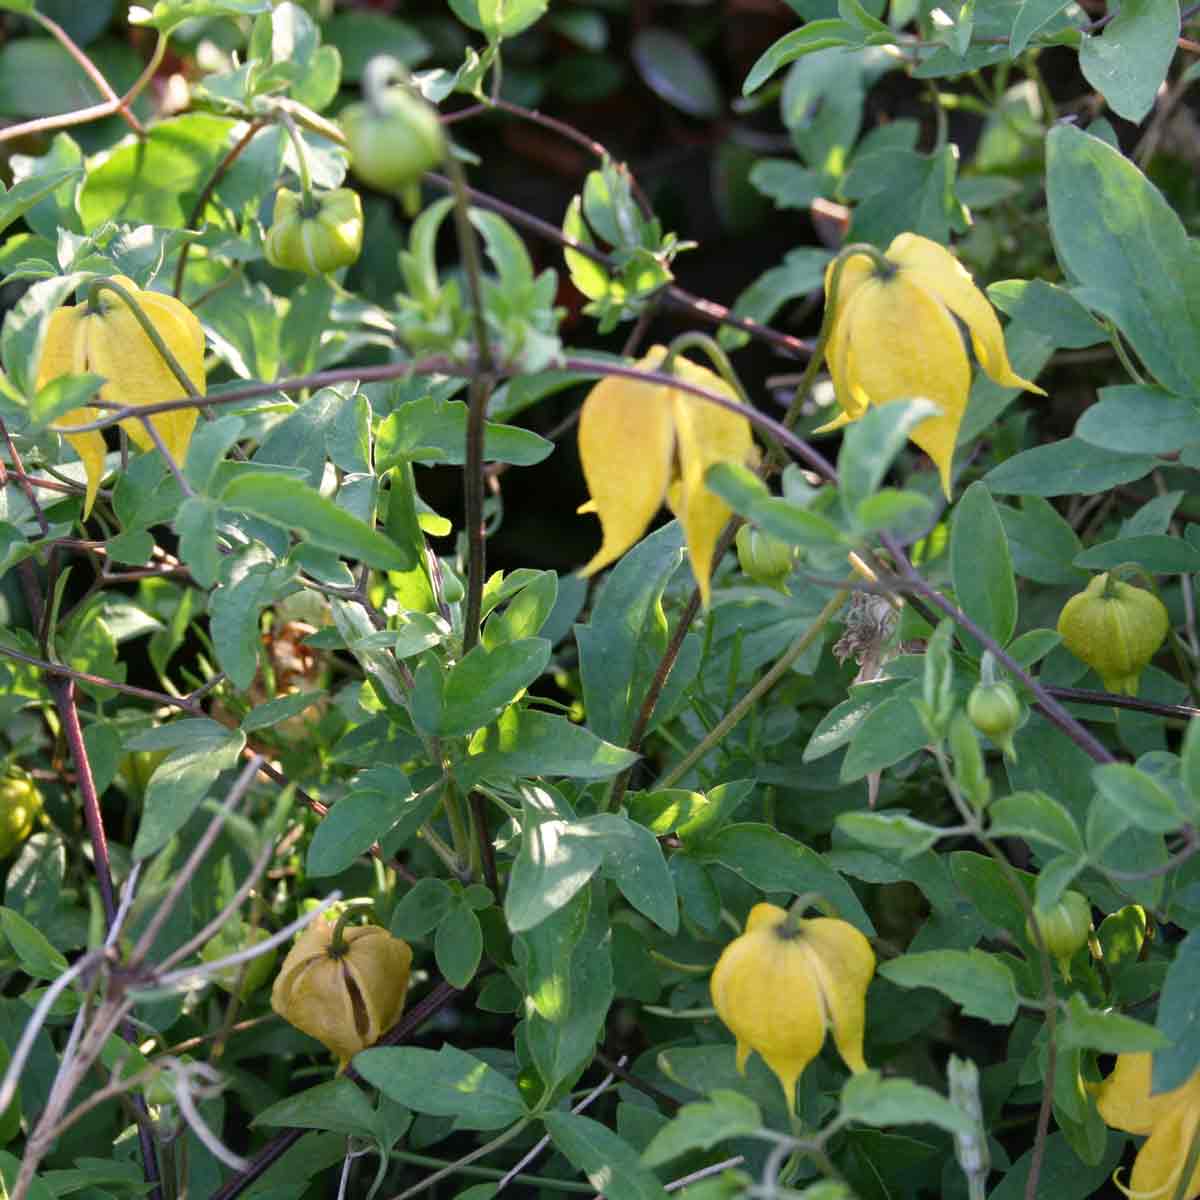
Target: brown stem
[222,168]
[63,692]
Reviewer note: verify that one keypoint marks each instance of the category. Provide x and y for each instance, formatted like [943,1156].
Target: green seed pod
[993,708]
[1064,928]
[1116,629]
[316,238]
[764,558]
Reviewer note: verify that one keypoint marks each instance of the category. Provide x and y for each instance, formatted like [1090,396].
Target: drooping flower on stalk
[785,982]
[1170,1119]
[642,444]
[894,337]
[104,337]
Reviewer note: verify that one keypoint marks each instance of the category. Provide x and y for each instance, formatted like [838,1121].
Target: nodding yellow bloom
[784,983]
[108,340]
[1170,1118]
[641,444]
[894,337]
[347,997]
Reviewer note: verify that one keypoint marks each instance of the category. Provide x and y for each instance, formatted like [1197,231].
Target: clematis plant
[104,335]
[641,444]
[893,336]
[785,982]
[1171,1119]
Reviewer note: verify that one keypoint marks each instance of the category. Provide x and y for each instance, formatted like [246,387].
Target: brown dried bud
[346,996]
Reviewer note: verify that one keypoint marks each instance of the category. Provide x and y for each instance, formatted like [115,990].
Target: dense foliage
[814,813]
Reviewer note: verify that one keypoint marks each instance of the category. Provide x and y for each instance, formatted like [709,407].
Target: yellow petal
[934,268]
[842,962]
[852,404]
[1163,1156]
[626,442]
[64,352]
[903,344]
[136,374]
[1124,1098]
[706,434]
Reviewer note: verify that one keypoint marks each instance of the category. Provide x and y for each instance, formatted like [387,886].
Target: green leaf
[477,688]
[445,1083]
[633,860]
[196,525]
[21,197]
[702,1126]
[524,742]
[1108,1031]
[902,191]
[433,430]
[1142,799]
[1119,239]
[890,732]
[1032,16]
[1128,60]
[166,15]
[1157,554]
[620,648]
[610,1163]
[982,881]
[234,623]
[1062,1174]
[1042,543]
[802,270]
[1179,1018]
[338,1106]
[1035,817]
[674,71]
[1066,467]
[37,956]
[870,444]
[815,35]
[458,945]
[352,826]
[549,869]
[981,565]
[569,985]
[180,783]
[1141,420]
[360,36]
[891,831]
[774,862]
[747,495]
[1051,310]
[525,613]
[291,503]
[840,724]
[873,1100]
[981,983]
[156,180]
[272,712]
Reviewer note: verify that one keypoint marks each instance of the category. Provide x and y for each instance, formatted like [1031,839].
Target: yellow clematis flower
[108,340]
[641,443]
[1170,1118]
[785,982]
[894,337]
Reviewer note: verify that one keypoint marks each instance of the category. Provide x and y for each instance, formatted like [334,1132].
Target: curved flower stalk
[104,336]
[1171,1119]
[894,337]
[641,444]
[785,982]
